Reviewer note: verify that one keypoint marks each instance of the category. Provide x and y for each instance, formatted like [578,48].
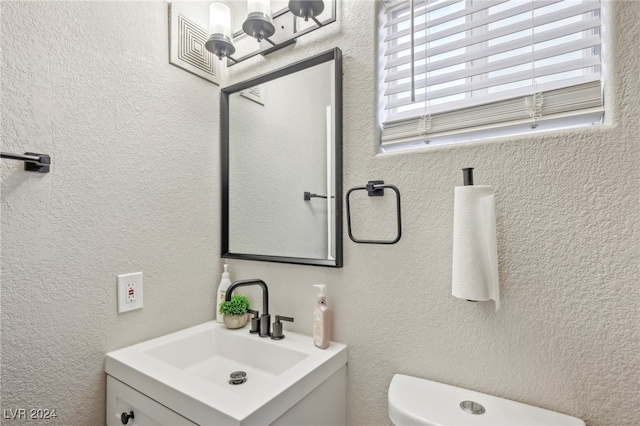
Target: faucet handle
[255,321]
[277,333]
[283,318]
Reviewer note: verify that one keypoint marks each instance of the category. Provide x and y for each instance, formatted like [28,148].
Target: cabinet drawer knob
[124,418]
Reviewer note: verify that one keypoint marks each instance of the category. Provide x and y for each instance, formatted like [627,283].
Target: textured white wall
[100,92]
[133,187]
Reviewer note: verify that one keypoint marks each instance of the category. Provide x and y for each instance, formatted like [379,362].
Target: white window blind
[453,66]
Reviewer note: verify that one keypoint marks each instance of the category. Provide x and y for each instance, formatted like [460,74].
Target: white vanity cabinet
[325,405]
[124,399]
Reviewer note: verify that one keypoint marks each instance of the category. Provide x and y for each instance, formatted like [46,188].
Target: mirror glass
[281,139]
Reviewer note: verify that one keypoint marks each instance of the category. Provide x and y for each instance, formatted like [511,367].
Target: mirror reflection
[282,166]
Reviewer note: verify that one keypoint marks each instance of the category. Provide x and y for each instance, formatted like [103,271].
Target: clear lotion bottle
[225,282]
[321,320]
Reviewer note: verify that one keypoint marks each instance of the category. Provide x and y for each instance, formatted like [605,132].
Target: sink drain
[472,407]
[238,378]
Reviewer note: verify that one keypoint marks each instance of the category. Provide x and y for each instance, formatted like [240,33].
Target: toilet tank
[414,401]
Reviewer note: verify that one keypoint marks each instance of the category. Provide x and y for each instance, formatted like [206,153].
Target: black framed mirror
[281,154]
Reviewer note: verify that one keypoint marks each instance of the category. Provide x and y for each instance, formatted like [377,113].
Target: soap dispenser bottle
[225,282]
[321,320]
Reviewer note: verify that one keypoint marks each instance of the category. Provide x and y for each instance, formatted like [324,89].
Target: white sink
[188,372]
[213,353]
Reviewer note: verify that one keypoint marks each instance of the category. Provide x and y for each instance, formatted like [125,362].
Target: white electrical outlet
[129,292]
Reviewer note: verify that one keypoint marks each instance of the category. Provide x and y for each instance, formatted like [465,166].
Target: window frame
[431,131]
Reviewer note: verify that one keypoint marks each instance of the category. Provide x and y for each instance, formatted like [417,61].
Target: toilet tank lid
[415,401]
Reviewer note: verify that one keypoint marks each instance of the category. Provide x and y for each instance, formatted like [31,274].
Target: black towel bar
[32,162]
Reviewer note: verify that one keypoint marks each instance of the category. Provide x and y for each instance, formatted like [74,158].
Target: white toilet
[414,401]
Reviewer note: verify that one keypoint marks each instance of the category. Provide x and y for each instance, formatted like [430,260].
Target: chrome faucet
[265,318]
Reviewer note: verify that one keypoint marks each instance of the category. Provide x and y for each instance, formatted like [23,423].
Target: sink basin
[213,353]
[188,372]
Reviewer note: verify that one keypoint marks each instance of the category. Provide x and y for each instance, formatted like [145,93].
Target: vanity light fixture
[263,25]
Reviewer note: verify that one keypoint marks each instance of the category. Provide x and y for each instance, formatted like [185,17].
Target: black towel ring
[375,188]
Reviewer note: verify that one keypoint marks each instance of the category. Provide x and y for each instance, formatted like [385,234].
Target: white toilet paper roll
[475,253]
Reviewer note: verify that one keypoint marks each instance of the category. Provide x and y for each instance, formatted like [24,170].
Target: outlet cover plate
[129,292]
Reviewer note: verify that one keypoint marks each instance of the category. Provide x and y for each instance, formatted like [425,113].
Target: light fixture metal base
[220,46]
[285,34]
[272,49]
[259,26]
[306,8]
[282,37]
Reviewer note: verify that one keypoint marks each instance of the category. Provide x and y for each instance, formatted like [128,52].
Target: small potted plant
[235,311]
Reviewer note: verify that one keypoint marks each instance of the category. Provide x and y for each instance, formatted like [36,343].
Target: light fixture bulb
[260,6]
[220,41]
[258,23]
[306,8]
